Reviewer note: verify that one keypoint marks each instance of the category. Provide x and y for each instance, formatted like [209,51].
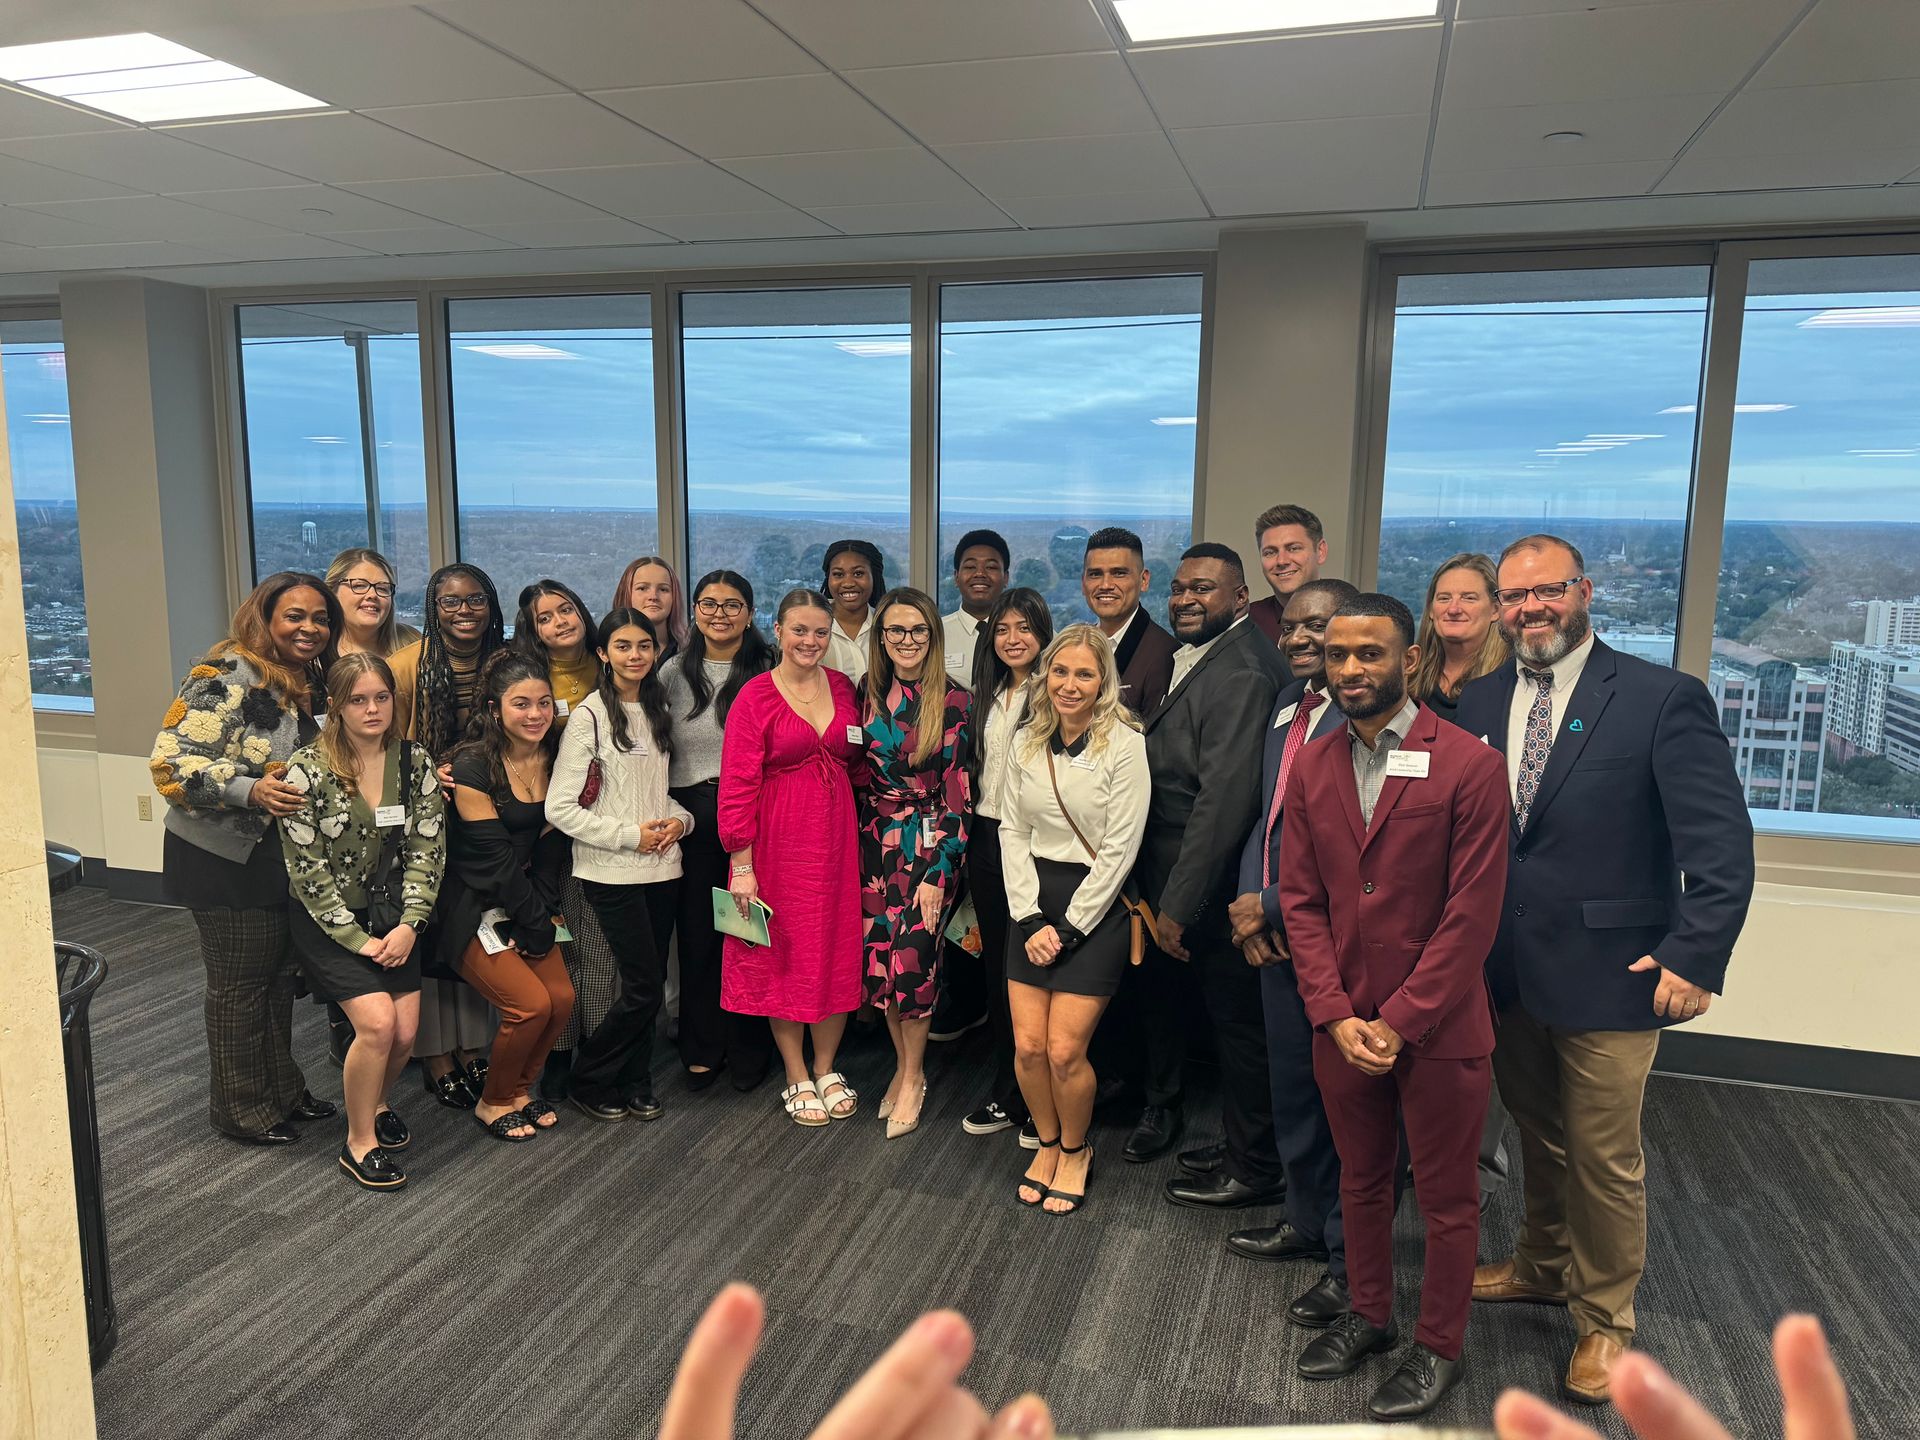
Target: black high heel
[1044,1192]
[1068,1194]
[449,1089]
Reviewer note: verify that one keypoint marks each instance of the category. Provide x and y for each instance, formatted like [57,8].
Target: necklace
[514,770]
[792,691]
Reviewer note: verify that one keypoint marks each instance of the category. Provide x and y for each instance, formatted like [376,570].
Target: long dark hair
[990,672]
[526,633]
[250,636]
[486,736]
[754,657]
[867,551]
[653,695]
[433,704]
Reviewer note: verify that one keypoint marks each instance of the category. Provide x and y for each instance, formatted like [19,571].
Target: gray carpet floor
[545,1290]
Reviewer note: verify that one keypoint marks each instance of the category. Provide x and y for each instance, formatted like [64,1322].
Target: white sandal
[800,1098]
[827,1082]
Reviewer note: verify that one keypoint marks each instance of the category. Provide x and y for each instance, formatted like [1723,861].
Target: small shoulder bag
[384,907]
[596,775]
[1139,913]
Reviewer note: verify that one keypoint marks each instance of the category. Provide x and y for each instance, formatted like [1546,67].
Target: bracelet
[743,870]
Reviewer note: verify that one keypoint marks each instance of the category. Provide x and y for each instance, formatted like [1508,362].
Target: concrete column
[46,1383]
[1283,412]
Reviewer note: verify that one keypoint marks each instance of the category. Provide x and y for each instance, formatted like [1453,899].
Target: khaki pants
[1576,1094]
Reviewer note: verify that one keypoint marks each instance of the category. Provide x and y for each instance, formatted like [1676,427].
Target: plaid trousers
[250,968]
[590,965]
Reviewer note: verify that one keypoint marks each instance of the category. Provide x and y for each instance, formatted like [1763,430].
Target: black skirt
[337,973]
[1095,965]
[198,879]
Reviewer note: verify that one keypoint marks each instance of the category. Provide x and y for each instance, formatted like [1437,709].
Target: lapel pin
[1575,726]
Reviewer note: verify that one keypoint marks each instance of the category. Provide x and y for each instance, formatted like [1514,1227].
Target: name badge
[929,831]
[387,815]
[1285,717]
[560,707]
[855,735]
[1410,763]
[1083,762]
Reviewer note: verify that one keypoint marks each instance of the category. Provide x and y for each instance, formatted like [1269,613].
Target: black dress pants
[614,1064]
[709,1036]
[989,884]
[1230,990]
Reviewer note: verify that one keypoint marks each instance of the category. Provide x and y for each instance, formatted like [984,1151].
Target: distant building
[1773,714]
[1652,643]
[309,534]
[1902,728]
[1857,684]
[1893,622]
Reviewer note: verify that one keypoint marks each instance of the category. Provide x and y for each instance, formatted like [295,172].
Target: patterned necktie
[1537,745]
[1296,737]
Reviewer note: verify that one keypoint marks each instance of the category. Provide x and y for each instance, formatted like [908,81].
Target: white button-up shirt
[1188,656]
[1566,674]
[960,634]
[847,654]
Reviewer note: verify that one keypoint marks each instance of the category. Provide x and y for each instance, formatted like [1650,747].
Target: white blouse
[1106,787]
[849,655]
[997,744]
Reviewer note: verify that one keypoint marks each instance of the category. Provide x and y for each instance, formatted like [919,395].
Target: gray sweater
[696,741]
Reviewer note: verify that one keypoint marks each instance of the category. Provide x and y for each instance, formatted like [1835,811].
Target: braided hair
[436,701]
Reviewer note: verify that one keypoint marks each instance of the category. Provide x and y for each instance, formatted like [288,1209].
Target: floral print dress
[913,830]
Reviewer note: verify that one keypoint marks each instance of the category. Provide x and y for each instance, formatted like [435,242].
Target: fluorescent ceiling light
[324,439]
[1146,21]
[146,78]
[1623,438]
[522,350]
[1881,454]
[1870,315]
[1175,419]
[1738,409]
[872,348]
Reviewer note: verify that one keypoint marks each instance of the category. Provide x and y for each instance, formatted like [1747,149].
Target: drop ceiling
[483,137]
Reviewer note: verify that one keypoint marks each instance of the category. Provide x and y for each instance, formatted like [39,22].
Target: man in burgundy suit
[1395,833]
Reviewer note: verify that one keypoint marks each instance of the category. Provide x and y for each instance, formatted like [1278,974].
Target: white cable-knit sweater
[633,789]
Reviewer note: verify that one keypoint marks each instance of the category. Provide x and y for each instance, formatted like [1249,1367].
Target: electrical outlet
[145,804]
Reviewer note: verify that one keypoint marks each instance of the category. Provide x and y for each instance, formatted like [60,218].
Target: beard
[1387,697]
[1541,651]
[1213,625]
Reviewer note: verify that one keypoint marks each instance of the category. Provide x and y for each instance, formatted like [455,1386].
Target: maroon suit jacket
[1265,614]
[1394,920]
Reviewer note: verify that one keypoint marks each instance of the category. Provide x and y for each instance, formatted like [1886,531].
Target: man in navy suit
[1631,870]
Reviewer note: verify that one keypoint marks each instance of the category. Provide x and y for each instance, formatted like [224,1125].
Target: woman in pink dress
[787,820]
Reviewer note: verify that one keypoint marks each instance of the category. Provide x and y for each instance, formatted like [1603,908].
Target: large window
[1558,400]
[1820,565]
[553,439]
[798,431]
[33,372]
[1066,406]
[331,396]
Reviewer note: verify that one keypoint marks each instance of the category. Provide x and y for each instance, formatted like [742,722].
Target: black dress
[506,863]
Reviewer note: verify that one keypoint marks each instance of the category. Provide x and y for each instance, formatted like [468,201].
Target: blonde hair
[930,718]
[1043,720]
[1427,675]
[342,676]
[392,634]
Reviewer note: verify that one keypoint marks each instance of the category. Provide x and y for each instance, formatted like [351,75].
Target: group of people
[1346,847]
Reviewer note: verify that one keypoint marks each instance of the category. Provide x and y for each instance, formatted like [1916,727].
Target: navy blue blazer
[1639,791]
[1327,717]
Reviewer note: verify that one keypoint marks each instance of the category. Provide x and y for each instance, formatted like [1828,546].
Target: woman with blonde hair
[1458,639]
[362,580]
[915,802]
[652,586]
[1072,814]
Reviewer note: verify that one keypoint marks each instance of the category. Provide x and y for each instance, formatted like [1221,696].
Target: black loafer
[1275,1242]
[698,1080]
[645,1107]
[1342,1346]
[612,1111]
[1319,1307]
[391,1131]
[310,1107]
[1204,1161]
[1157,1132]
[1221,1192]
[1416,1387]
[375,1169]
[281,1134]
[475,1073]
[449,1089]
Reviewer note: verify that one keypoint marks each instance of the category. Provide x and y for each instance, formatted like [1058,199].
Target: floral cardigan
[333,846]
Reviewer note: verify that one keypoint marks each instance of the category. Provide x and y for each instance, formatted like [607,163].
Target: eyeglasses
[454,604]
[903,635]
[1552,590]
[719,607]
[378,587]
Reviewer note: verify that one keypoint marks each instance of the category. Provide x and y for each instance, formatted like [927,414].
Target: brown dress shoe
[1495,1282]
[1590,1373]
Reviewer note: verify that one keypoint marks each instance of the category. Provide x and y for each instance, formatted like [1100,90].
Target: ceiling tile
[785,115]
[20,259]
[287,247]
[1880,115]
[23,183]
[1054,211]
[1025,99]
[1482,9]
[297,207]
[1609,54]
[22,226]
[854,177]
[22,115]
[1652,128]
[899,219]
[145,161]
[1308,166]
[156,217]
[574,234]
[1815,170]
[1071,165]
[423,240]
[356,59]
[534,133]
[742,225]
[850,34]
[476,199]
[1297,77]
[126,255]
[1857,40]
[1513,184]
[640,192]
[330,148]
[599,44]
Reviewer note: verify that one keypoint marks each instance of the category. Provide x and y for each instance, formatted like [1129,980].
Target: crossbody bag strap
[1054,781]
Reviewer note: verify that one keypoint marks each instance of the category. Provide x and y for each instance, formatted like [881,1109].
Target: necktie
[1296,737]
[1537,744]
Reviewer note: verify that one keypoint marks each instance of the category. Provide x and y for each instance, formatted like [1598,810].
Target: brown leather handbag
[1139,913]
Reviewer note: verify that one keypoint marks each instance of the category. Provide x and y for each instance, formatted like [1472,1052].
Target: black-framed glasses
[719,607]
[454,604]
[907,635]
[1552,590]
[378,587]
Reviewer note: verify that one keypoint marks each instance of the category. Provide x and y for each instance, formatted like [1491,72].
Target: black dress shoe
[391,1131]
[281,1134]
[1159,1128]
[309,1107]
[644,1107]
[1275,1242]
[1204,1161]
[1319,1307]
[1416,1387]
[698,1080]
[449,1089]
[1219,1192]
[475,1071]
[1339,1349]
[608,1110]
[375,1169]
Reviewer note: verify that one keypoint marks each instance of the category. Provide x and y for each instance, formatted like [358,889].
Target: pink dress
[785,791]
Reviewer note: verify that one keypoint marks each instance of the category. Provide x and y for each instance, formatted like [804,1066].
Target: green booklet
[750,927]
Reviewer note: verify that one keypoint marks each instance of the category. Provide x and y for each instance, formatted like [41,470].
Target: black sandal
[538,1110]
[1068,1194]
[502,1127]
[1024,1181]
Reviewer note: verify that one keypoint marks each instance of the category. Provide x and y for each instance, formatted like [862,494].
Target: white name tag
[1410,763]
[560,707]
[1083,762]
[387,815]
[1285,717]
[855,735]
[929,831]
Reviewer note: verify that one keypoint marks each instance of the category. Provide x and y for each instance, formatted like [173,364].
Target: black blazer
[1638,792]
[1144,654]
[1204,744]
[1326,718]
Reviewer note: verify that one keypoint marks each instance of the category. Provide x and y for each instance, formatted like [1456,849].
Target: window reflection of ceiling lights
[1147,21]
[869,349]
[1175,419]
[522,350]
[1865,315]
[1738,409]
[145,78]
